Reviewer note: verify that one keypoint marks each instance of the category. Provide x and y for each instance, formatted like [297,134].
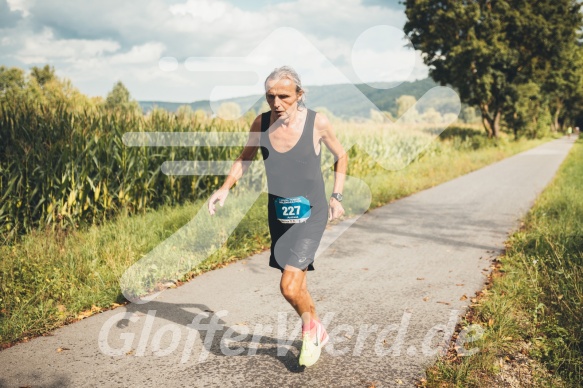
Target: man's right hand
[220,196]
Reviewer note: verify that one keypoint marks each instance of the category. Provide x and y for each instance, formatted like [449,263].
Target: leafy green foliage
[11,79]
[488,50]
[535,307]
[119,98]
[43,75]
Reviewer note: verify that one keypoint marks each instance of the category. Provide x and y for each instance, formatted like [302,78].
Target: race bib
[292,210]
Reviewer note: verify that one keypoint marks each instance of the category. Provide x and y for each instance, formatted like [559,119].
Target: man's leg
[294,289]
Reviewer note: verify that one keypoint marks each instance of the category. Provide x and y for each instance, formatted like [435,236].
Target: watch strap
[337,196]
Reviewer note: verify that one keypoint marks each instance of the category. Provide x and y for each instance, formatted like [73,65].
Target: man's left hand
[335,209]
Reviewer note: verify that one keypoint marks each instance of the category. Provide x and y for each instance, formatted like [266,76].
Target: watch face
[338,196]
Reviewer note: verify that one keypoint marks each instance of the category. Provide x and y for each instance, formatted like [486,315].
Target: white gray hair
[289,73]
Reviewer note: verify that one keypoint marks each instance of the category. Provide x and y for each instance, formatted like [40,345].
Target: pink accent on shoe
[316,329]
[309,328]
[323,335]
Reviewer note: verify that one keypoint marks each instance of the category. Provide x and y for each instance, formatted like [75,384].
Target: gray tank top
[297,172]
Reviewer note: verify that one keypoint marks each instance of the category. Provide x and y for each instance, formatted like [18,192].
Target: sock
[310,327]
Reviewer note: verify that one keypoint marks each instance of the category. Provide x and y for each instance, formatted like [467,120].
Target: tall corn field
[64,164]
[63,167]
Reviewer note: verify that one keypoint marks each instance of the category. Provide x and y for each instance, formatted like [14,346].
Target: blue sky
[146,44]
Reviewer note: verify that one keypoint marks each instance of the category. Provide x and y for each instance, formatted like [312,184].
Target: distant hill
[342,100]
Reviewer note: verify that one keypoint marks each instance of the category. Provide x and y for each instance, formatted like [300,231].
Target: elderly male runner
[290,136]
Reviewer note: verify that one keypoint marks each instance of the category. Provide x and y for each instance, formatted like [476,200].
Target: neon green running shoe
[312,347]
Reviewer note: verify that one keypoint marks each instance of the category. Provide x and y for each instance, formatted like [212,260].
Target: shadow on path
[180,315]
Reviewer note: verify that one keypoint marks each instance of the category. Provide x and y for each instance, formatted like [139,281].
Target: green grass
[49,278]
[534,305]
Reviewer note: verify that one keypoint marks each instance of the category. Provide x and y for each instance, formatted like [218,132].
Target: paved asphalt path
[389,288]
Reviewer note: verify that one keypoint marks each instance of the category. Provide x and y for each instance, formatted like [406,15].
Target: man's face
[282,97]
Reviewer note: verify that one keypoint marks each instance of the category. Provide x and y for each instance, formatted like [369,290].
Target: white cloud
[97,43]
[146,53]
[382,53]
[202,10]
[45,48]
[20,5]
[216,28]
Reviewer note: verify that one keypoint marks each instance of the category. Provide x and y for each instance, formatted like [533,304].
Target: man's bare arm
[239,166]
[329,139]
[249,151]
[328,136]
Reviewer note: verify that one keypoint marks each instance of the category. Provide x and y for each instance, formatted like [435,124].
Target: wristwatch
[337,196]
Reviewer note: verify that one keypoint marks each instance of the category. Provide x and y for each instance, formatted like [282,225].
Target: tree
[431,116]
[404,103]
[487,49]
[200,115]
[377,116]
[469,115]
[563,86]
[11,78]
[43,75]
[527,104]
[184,113]
[119,98]
[229,111]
